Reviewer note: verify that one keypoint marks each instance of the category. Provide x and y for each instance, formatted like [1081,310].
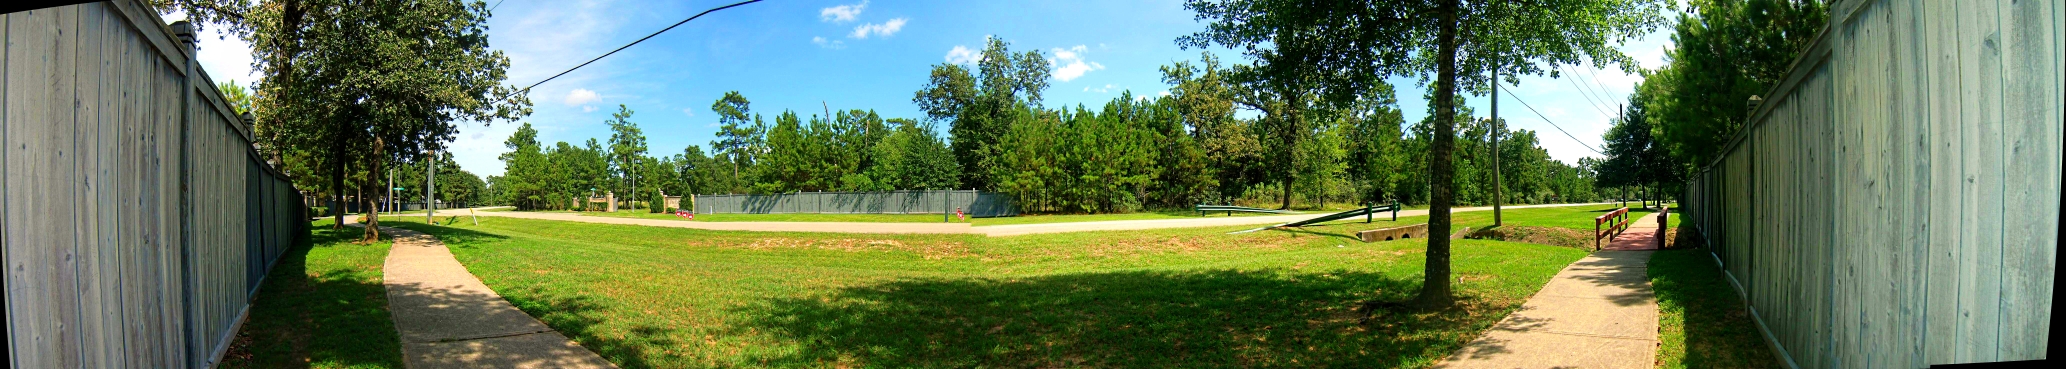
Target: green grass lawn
[322,306]
[868,218]
[667,297]
[1701,321]
[910,218]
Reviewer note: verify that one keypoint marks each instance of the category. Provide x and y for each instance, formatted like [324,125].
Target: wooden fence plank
[1980,235]
[7,249]
[86,240]
[33,284]
[1946,148]
[2031,183]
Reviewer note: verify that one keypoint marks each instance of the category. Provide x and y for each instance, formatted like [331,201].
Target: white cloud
[1068,63]
[842,13]
[1106,88]
[1163,93]
[884,29]
[588,108]
[689,111]
[963,55]
[581,96]
[829,44]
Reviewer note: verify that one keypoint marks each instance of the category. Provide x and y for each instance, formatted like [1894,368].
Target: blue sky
[799,54]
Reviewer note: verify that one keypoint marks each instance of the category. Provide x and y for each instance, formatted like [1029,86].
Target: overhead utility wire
[1551,124]
[1582,90]
[1603,86]
[641,39]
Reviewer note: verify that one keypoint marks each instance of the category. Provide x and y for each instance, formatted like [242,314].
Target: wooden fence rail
[138,219]
[1894,203]
[1614,221]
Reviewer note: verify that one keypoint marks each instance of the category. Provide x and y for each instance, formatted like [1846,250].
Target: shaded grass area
[666,297]
[1701,320]
[322,306]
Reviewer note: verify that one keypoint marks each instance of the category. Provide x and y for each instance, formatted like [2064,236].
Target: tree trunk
[1290,133]
[337,182]
[373,179]
[1435,291]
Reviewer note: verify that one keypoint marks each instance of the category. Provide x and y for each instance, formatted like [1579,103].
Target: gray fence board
[1895,203]
[91,122]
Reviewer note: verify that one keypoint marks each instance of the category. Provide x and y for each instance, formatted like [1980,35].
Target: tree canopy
[1353,46]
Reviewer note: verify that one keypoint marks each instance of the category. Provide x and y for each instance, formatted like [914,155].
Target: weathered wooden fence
[1895,202]
[138,219]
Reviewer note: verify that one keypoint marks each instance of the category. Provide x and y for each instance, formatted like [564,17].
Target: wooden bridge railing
[1615,221]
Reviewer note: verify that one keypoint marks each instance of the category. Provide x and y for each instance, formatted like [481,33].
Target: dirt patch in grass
[1553,236]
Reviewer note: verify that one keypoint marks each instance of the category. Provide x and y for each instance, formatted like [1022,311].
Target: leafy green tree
[526,182]
[1377,158]
[979,107]
[739,140]
[1184,175]
[1635,158]
[1204,100]
[360,84]
[912,157]
[1451,44]
[627,148]
[1724,52]
[237,97]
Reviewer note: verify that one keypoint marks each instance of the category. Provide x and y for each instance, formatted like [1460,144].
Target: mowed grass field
[915,218]
[665,297]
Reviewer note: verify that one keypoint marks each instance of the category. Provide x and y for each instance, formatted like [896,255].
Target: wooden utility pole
[1497,129]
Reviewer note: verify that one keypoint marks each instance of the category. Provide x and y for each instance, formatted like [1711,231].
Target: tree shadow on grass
[450,235]
[1218,318]
[583,319]
[336,319]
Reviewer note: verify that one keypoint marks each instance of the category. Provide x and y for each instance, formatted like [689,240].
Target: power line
[1546,119]
[1582,90]
[641,39]
[498,4]
[1603,86]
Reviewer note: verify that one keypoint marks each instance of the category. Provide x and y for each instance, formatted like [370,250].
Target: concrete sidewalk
[449,319]
[941,228]
[1599,312]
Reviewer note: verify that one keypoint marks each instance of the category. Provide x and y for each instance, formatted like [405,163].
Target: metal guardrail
[1367,212]
[1230,209]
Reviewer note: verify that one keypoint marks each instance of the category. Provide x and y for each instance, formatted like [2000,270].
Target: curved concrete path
[943,228]
[1599,312]
[448,319]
